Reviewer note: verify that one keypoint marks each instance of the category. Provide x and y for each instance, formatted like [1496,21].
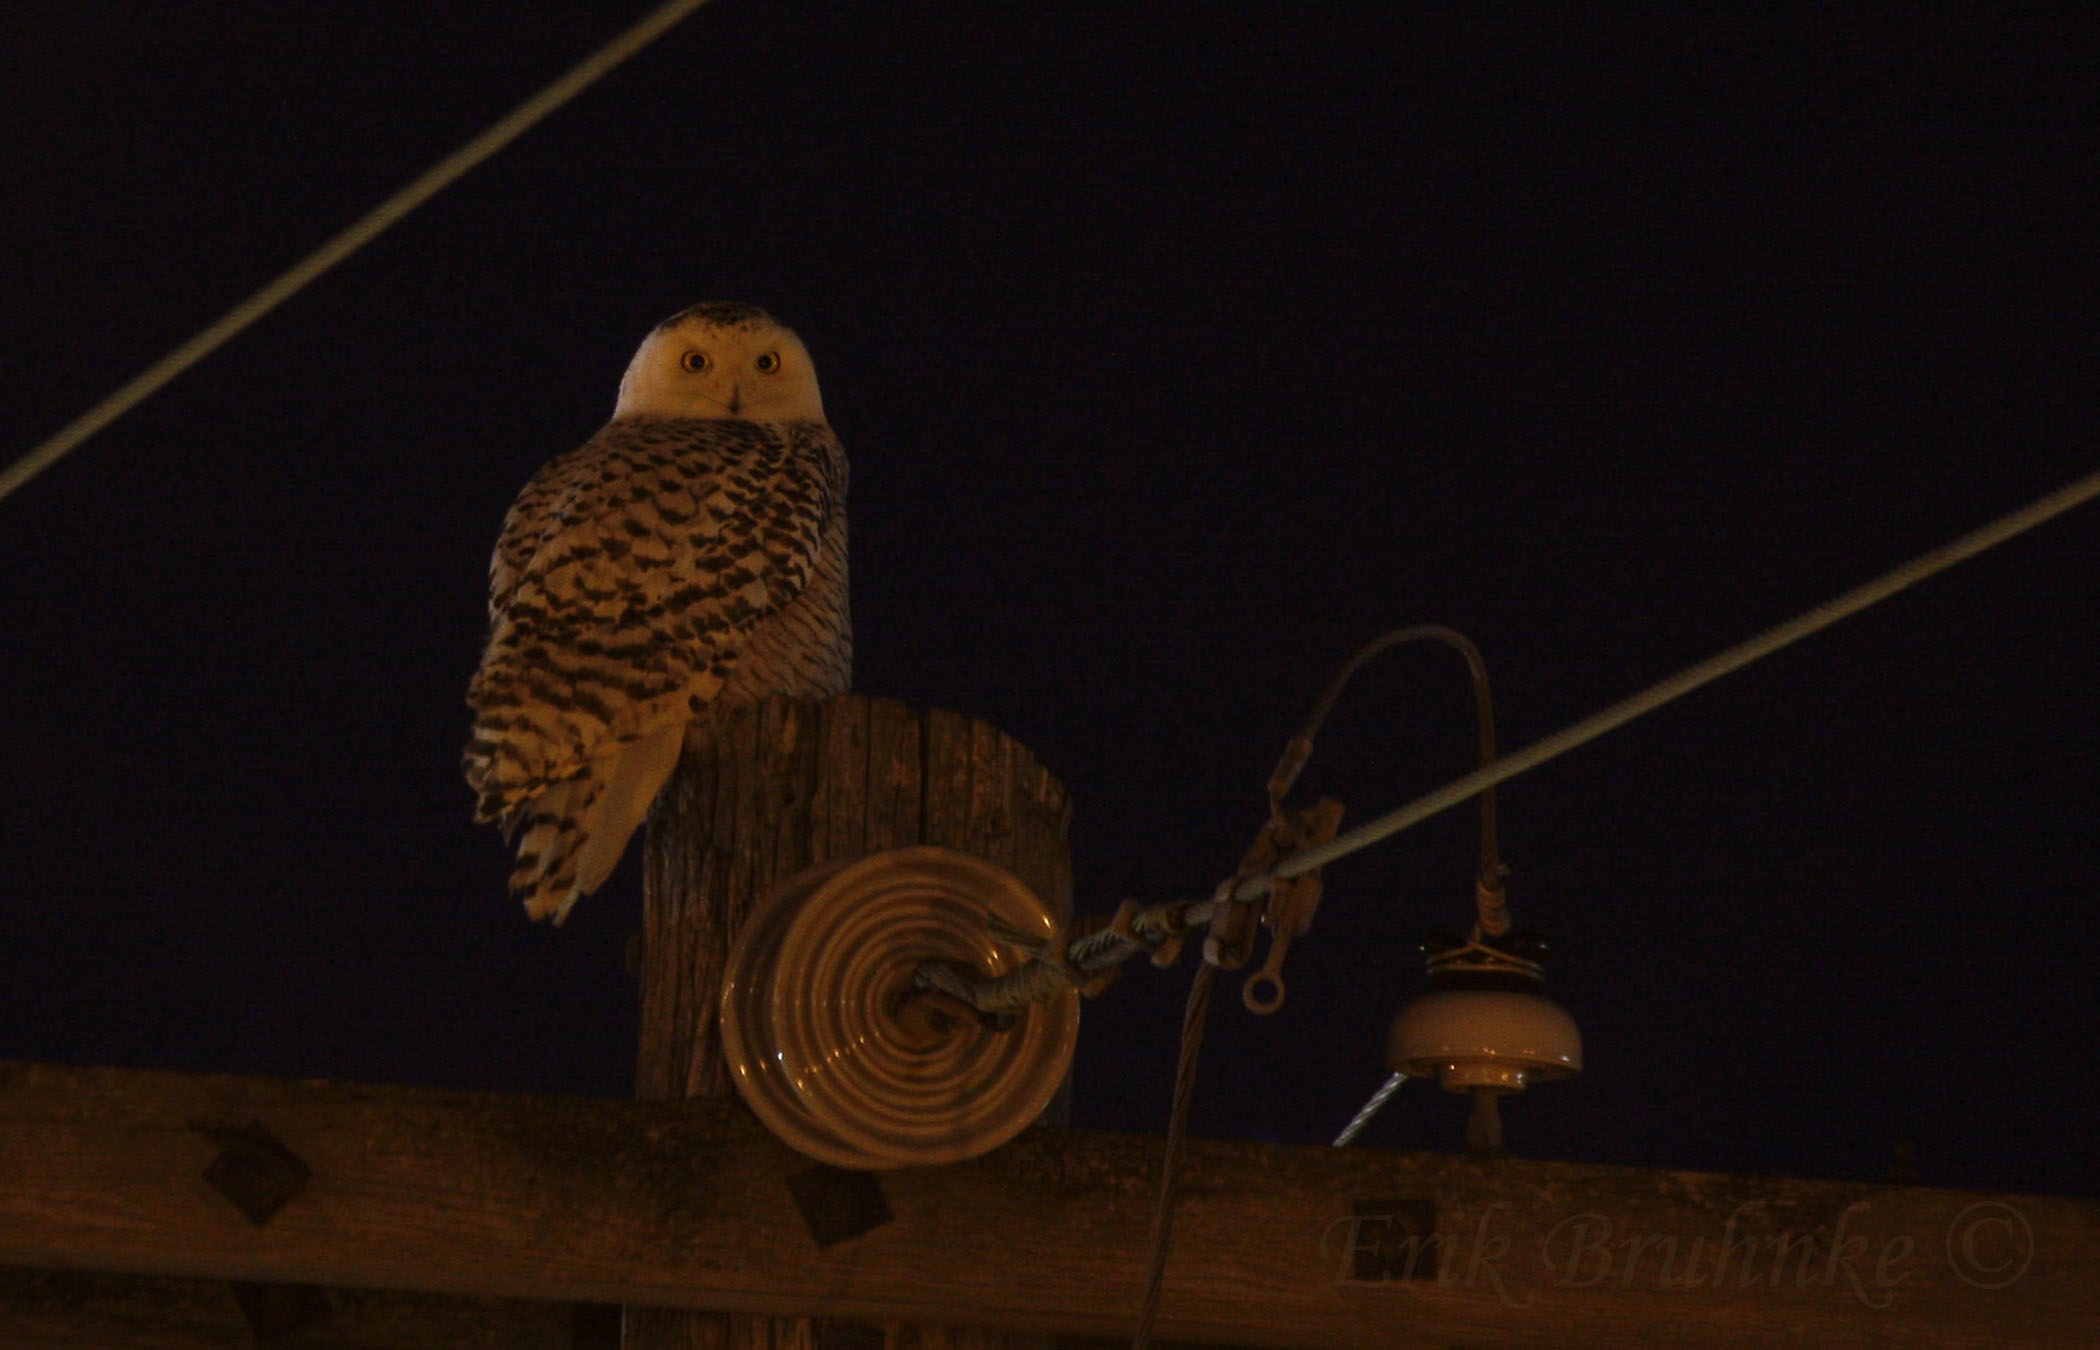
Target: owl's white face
[721,360]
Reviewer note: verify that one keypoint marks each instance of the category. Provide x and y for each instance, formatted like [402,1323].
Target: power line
[433,181]
[1145,929]
[1684,682]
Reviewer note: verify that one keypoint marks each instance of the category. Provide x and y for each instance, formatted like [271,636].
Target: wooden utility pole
[761,793]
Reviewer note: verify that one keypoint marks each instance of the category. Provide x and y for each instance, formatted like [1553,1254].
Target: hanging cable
[1489,893]
[1300,748]
[1192,1020]
[433,181]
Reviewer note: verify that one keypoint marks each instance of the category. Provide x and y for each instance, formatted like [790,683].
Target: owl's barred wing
[628,575]
[545,507]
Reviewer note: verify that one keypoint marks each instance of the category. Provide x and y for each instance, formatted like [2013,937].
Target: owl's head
[721,359]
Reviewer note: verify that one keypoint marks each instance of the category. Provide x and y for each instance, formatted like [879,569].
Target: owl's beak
[736,400]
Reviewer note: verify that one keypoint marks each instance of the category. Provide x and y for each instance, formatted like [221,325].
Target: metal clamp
[1284,906]
[1292,901]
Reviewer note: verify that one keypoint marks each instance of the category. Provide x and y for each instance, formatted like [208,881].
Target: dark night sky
[1177,356]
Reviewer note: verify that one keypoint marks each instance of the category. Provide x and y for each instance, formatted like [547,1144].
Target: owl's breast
[805,650]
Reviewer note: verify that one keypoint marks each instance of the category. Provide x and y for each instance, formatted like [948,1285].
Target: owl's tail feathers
[575,832]
[544,877]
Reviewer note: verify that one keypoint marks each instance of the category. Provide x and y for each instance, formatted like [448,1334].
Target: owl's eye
[695,361]
[768,363]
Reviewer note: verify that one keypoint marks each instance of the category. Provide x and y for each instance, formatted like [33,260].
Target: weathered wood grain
[760,794]
[85,1310]
[686,1204]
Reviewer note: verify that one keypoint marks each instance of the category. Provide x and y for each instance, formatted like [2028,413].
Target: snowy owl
[691,554]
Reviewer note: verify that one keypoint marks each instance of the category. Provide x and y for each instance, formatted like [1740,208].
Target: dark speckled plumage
[666,565]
